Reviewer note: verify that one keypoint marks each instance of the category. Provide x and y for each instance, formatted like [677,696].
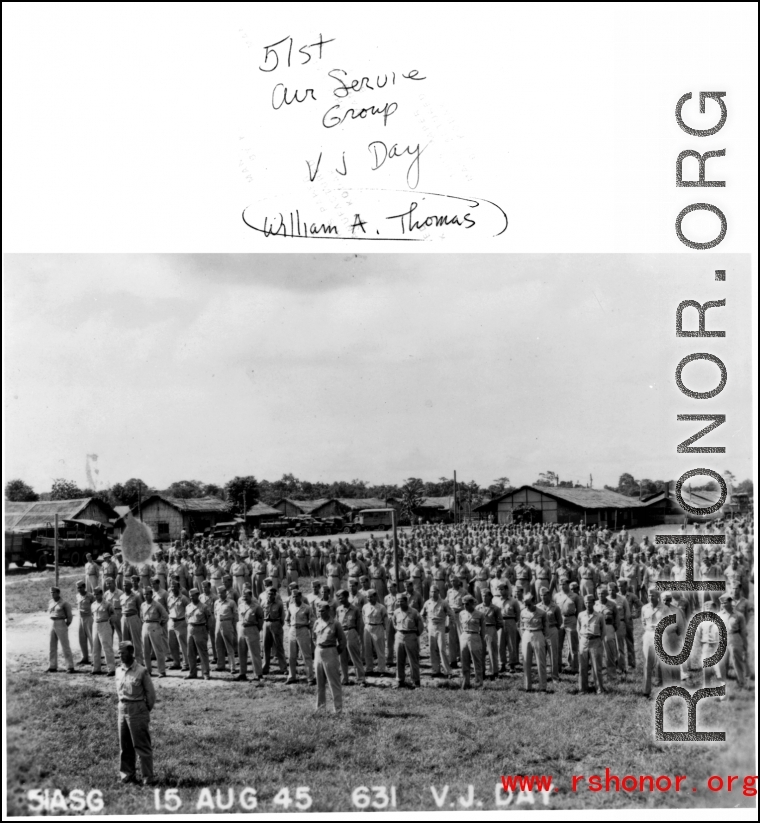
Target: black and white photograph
[342,532]
[379,410]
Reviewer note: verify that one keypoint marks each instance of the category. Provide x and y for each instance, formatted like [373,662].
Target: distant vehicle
[76,539]
[303,526]
[334,525]
[20,549]
[230,528]
[373,520]
[274,528]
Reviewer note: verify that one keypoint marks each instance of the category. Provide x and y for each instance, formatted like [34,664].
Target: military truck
[20,549]
[76,539]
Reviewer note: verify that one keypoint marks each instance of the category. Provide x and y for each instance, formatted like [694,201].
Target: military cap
[724,598]
[106,555]
[564,579]
[503,584]
[468,598]
[518,587]
[574,585]
[88,554]
[363,577]
[267,580]
[353,579]
[98,590]
[604,590]
[654,589]
[55,589]
[81,584]
[371,591]
[434,588]
[589,597]
[623,580]
[341,592]
[126,646]
[195,591]
[543,589]
[271,590]
[322,604]
[403,597]
[528,598]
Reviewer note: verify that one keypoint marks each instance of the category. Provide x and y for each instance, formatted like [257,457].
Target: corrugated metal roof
[584,498]
[39,514]
[359,503]
[262,509]
[437,502]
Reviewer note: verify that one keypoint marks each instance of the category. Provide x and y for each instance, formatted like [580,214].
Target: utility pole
[455,497]
[55,545]
[395,544]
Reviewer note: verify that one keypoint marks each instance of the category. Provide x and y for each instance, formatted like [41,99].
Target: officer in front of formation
[137,696]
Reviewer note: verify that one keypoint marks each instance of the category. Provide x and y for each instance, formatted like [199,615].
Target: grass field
[61,732]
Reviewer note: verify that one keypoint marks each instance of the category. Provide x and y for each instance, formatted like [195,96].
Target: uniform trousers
[407,648]
[300,638]
[59,633]
[328,674]
[569,633]
[134,740]
[178,642]
[437,642]
[736,654]
[224,640]
[508,644]
[273,639]
[622,651]
[491,650]
[610,648]
[454,639]
[85,635]
[102,642]
[374,645]
[590,652]
[553,649]
[197,646]
[153,643]
[131,629]
[249,643]
[534,644]
[92,583]
[352,650]
[116,625]
[472,657]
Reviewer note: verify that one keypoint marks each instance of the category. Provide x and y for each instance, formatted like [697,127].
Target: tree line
[247,489]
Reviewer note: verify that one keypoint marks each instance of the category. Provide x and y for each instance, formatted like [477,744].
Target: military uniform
[274,615]
[153,616]
[375,619]
[533,631]
[590,639]
[197,616]
[102,636]
[84,607]
[435,613]
[408,626]
[472,629]
[131,625]
[568,629]
[492,625]
[175,606]
[251,617]
[59,612]
[91,576]
[650,618]
[137,697]
[350,619]
[553,623]
[300,622]
[509,642]
[226,616]
[736,652]
[328,638]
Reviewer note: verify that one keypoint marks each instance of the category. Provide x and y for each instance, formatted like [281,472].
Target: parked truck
[21,549]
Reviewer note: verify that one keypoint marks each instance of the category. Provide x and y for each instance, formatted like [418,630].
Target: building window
[163,530]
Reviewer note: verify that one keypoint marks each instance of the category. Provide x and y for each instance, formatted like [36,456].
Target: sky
[377,366]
